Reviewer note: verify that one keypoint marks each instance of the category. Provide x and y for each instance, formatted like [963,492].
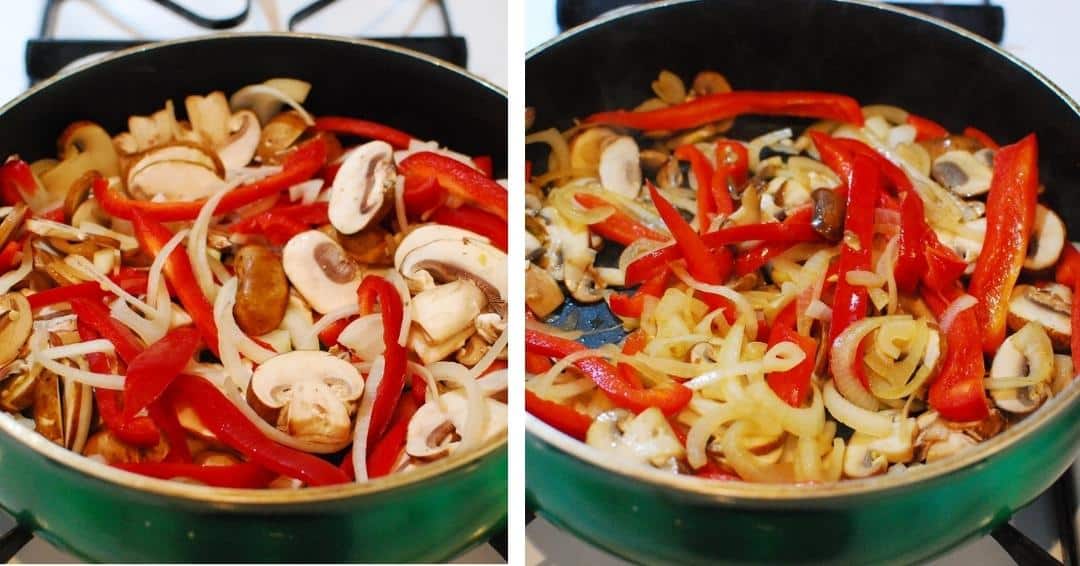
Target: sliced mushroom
[542,293]
[432,430]
[447,260]
[950,444]
[1050,306]
[13,220]
[861,461]
[278,135]
[587,147]
[244,135]
[963,174]
[209,116]
[105,445]
[321,271]
[490,326]
[360,189]
[968,248]
[191,152]
[48,409]
[828,215]
[430,351]
[428,233]
[710,82]
[314,391]
[473,350]
[364,336]
[84,146]
[1064,373]
[145,132]
[448,309]
[620,167]
[17,392]
[266,103]
[1028,354]
[16,322]
[646,438]
[1047,240]
[175,180]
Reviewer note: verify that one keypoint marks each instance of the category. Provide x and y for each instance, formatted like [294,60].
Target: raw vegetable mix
[253,297]
[856,294]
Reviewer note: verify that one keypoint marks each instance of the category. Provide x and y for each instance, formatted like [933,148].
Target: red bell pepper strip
[703,173]
[418,389]
[732,168]
[152,237]
[329,335]
[619,227]
[850,301]
[281,223]
[139,431]
[95,316]
[10,256]
[893,175]
[633,344]
[163,412]
[151,372]
[943,266]
[393,381]
[910,257]
[1010,215]
[795,228]
[230,426]
[422,195]
[925,128]
[385,453]
[17,183]
[669,398]
[721,106]
[459,180]
[484,163]
[133,280]
[756,257]
[89,290]
[300,165]
[701,263]
[957,391]
[363,129]
[535,363]
[566,419]
[1068,267]
[981,137]
[630,306]
[243,476]
[475,220]
[793,385]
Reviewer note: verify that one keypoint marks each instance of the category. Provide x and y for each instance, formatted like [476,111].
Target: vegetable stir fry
[240,300]
[865,295]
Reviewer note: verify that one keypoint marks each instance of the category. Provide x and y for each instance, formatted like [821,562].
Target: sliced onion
[844,356]
[306,192]
[331,317]
[959,305]
[99,346]
[86,269]
[805,422]
[431,384]
[746,310]
[402,287]
[273,93]
[399,204]
[146,329]
[196,246]
[227,324]
[863,278]
[364,336]
[857,418]
[757,144]
[494,382]
[560,150]
[818,310]
[698,436]
[363,419]
[127,242]
[490,356]
[153,280]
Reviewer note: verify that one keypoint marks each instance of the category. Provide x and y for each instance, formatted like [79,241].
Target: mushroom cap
[1047,239]
[446,260]
[1027,354]
[244,133]
[175,180]
[275,382]
[265,103]
[431,426]
[1050,306]
[361,185]
[447,309]
[620,167]
[16,322]
[429,233]
[962,173]
[321,271]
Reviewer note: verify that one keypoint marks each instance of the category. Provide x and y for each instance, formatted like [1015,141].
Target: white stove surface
[481,22]
[1042,33]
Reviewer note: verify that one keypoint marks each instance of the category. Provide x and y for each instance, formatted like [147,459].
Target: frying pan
[878,54]
[102,514]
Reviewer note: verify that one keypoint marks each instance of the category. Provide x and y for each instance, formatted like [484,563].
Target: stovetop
[1040,33]
[476,29]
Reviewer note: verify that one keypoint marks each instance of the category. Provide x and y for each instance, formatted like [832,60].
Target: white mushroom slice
[321,271]
[861,461]
[209,116]
[431,430]
[298,322]
[620,167]
[314,391]
[175,181]
[953,443]
[490,326]
[646,438]
[78,412]
[447,260]
[243,140]
[587,147]
[960,172]
[1027,355]
[266,99]
[428,233]
[1064,373]
[448,309]
[1047,240]
[968,248]
[149,131]
[16,323]
[542,293]
[1050,306]
[366,177]
[900,445]
[430,351]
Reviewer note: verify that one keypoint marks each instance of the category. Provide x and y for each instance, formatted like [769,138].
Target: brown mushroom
[828,215]
[542,293]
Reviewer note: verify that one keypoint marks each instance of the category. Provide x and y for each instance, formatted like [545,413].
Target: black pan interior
[874,54]
[357,80]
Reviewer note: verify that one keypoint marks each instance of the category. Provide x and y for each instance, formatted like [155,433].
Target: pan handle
[13,541]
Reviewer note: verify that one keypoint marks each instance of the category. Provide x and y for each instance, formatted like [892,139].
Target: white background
[1041,32]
